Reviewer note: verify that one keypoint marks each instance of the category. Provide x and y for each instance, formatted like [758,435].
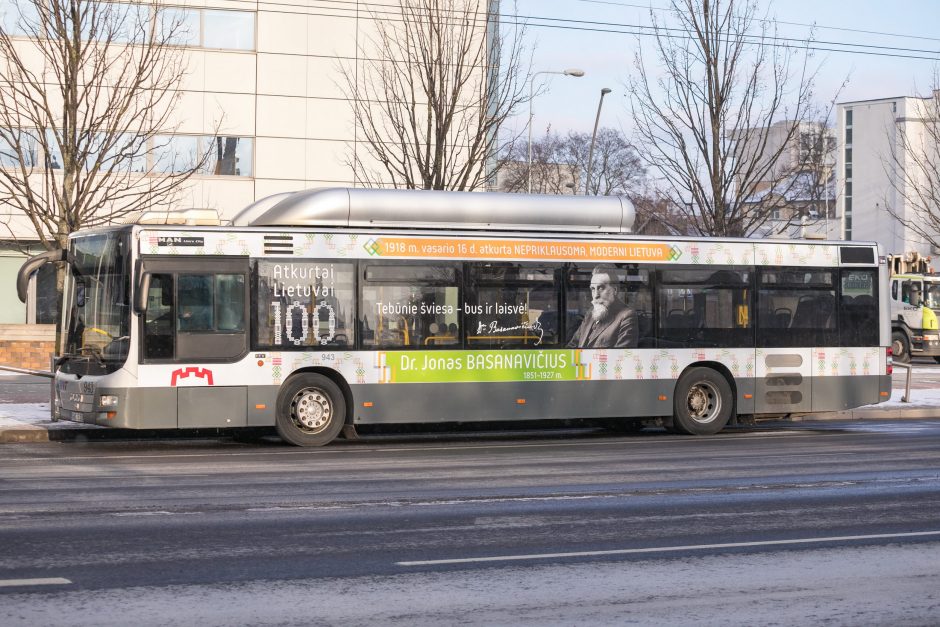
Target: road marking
[49,581]
[664,549]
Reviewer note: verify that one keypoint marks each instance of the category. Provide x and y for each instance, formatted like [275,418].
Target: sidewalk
[30,422]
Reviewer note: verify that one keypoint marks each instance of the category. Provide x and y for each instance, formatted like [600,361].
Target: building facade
[265,90]
[867,170]
[799,188]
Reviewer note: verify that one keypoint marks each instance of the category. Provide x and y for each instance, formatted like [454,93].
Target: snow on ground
[14,415]
[919,399]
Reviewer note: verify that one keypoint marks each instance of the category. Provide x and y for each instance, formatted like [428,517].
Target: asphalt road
[808,523]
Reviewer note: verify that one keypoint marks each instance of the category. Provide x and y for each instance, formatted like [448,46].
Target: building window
[848,136]
[195,28]
[180,27]
[228,156]
[18,147]
[123,153]
[848,117]
[230,30]
[173,154]
[225,156]
[18,18]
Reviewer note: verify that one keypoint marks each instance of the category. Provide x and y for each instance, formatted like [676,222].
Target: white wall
[875,137]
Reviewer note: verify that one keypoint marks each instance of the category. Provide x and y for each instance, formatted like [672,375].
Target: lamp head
[605,90]
[574,72]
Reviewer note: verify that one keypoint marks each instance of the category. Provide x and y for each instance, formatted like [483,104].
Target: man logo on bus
[203,374]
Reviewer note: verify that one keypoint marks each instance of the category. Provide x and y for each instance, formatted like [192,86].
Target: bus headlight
[108,400]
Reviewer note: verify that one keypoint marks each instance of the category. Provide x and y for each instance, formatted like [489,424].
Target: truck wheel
[311,410]
[900,347]
[703,403]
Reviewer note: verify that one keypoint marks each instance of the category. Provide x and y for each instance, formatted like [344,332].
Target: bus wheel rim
[312,410]
[703,402]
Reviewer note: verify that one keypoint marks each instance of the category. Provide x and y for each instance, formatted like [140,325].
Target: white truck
[915,306]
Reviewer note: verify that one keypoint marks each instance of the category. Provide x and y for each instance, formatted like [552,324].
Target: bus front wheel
[311,410]
[703,402]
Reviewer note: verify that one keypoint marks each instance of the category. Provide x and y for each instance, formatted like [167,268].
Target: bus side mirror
[32,265]
[143,289]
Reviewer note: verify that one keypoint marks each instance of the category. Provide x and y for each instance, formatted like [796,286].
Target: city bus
[321,311]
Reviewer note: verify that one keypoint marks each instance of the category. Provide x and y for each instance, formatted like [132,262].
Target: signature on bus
[494,327]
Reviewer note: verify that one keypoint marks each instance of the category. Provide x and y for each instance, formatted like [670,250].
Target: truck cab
[915,306]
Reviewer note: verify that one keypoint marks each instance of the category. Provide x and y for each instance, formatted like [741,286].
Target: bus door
[796,314]
[196,316]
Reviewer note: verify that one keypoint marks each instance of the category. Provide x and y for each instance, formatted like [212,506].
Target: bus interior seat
[781,317]
[825,311]
[676,319]
[805,314]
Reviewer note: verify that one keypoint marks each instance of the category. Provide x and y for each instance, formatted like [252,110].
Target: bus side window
[858,315]
[230,302]
[512,305]
[195,303]
[797,307]
[159,331]
[409,305]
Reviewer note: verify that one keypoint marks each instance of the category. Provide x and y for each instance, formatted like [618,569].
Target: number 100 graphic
[285,326]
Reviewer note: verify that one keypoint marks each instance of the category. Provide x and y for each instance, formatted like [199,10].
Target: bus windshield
[932,294]
[96,309]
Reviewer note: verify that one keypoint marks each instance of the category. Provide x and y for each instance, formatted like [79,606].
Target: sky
[901,27]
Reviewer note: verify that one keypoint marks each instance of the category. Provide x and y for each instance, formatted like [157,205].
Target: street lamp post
[590,165]
[569,72]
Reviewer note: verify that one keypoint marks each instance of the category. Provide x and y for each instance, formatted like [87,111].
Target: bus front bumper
[82,400]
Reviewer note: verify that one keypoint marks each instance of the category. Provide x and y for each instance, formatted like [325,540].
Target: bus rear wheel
[900,347]
[703,402]
[311,410]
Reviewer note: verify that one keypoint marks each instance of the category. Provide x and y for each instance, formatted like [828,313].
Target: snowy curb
[23,433]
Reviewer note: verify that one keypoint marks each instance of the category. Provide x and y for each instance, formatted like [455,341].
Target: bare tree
[617,168]
[551,172]
[913,167]
[559,165]
[435,84]
[87,92]
[814,186]
[705,108]
[657,215]
[801,191]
